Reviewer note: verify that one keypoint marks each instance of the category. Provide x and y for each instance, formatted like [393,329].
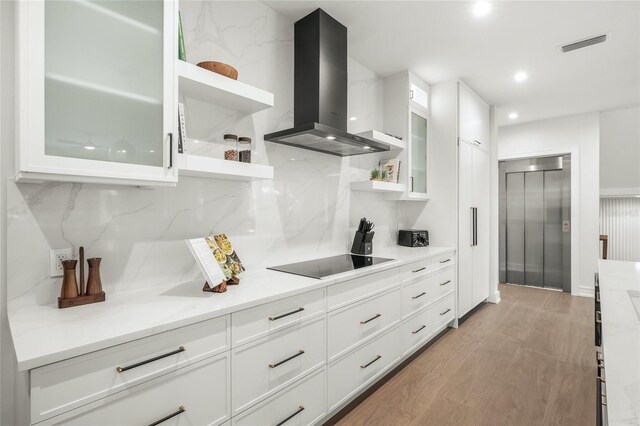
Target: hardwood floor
[529,360]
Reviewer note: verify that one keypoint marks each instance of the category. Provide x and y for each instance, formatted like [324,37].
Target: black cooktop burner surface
[321,268]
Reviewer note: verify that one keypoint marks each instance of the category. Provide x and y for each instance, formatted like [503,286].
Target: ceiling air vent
[584,43]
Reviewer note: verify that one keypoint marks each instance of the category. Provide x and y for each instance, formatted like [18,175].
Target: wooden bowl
[220,68]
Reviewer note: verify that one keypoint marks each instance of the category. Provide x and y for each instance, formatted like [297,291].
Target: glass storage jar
[230,144]
[245,148]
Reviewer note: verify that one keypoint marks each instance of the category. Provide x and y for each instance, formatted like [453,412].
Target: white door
[465,228]
[481,204]
[474,117]
[97,91]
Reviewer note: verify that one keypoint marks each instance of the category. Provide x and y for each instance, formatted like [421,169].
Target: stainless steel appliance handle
[473,227]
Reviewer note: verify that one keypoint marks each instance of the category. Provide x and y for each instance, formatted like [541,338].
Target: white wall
[578,135]
[620,152]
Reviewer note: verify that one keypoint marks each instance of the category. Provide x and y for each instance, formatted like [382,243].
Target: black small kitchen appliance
[413,237]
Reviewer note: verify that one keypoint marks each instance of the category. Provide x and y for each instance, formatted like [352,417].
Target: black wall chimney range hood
[320,91]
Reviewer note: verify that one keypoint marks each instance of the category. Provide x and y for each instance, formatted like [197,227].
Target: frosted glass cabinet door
[418,153]
[102,72]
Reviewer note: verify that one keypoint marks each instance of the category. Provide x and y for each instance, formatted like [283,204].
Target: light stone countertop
[621,340]
[45,334]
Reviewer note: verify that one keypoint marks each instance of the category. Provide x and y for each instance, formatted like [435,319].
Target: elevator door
[535,219]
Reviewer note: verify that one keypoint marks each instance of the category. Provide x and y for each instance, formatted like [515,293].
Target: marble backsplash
[306,211]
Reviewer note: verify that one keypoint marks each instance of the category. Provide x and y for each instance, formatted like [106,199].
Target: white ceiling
[443,40]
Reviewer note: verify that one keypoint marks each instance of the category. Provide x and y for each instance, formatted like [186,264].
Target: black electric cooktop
[321,268]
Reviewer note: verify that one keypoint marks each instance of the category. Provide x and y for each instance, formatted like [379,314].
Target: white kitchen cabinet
[97,91]
[194,396]
[406,114]
[473,118]
[473,226]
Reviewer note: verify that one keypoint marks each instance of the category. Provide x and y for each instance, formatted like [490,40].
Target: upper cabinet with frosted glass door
[97,91]
[406,114]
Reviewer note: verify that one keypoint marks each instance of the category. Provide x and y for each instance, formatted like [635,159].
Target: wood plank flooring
[529,360]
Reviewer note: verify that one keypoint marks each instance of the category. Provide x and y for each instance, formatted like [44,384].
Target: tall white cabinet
[97,91]
[473,199]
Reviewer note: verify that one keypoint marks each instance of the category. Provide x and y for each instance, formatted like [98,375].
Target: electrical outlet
[56,256]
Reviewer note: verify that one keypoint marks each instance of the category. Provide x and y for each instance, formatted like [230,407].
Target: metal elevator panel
[553,229]
[534,228]
[515,228]
[535,213]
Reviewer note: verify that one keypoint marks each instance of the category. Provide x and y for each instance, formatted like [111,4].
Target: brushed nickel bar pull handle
[286,315]
[298,411]
[420,269]
[371,362]
[300,352]
[371,319]
[156,358]
[445,261]
[598,321]
[445,283]
[442,313]
[418,296]
[598,296]
[419,330]
[170,150]
[181,410]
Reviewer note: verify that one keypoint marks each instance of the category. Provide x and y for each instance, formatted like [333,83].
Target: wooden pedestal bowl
[220,68]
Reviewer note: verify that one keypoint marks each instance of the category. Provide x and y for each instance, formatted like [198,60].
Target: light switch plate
[56,256]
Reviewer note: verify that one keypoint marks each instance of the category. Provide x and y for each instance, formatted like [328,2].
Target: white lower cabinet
[354,371]
[293,361]
[302,403]
[416,330]
[443,312]
[267,365]
[361,321]
[196,395]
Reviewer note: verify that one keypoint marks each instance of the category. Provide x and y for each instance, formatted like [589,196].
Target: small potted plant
[379,175]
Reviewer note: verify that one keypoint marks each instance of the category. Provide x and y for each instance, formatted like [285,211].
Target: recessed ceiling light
[90,147]
[331,137]
[482,8]
[513,115]
[353,118]
[520,76]
[366,147]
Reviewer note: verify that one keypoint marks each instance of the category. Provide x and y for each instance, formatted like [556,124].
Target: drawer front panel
[351,373]
[302,403]
[442,283]
[416,294]
[342,294]
[444,260]
[262,320]
[351,325]
[264,367]
[68,384]
[416,330]
[443,311]
[202,390]
[416,269]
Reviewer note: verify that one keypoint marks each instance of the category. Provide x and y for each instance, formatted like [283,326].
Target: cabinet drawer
[62,386]
[302,403]
[443,311]
[351,373]
[357,322]
[257,322]
[202,390]
[443,260]
[416,330]
[416,269]
[442,283]
[416,294]
[265,366]
[342,294]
